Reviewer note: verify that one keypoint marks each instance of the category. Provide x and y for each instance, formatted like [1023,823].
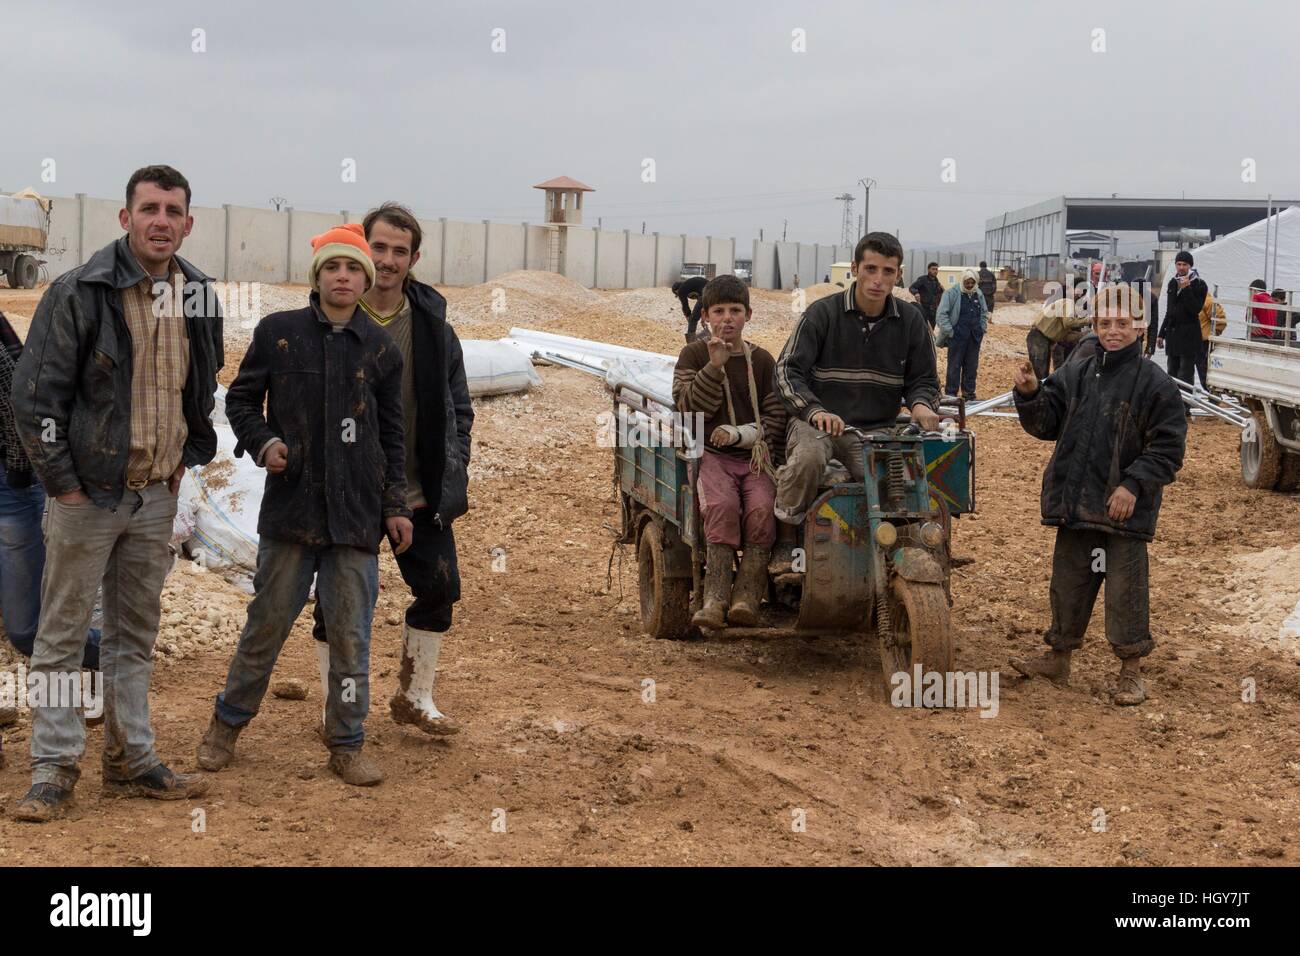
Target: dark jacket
[928,290]
[335,400]
[988,284]
[76,369]
[18,470]
[831,363]
[1117,419]
[444,414]
[1182,326]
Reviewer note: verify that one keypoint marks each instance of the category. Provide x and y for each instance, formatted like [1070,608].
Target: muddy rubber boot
[218,745]
[1054,665]
[355,768]
[323,659]
[413,702]
[719,560]
[750,587]
[1129,690]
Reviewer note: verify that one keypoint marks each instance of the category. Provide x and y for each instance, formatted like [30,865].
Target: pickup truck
[1265,377]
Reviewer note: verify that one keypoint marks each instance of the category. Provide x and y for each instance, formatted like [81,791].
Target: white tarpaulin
[649,370]
[1233,261]
[494,368]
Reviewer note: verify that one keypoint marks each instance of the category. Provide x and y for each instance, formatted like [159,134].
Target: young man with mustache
[112,399]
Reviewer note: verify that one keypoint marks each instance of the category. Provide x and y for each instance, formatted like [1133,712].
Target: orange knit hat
[347,241]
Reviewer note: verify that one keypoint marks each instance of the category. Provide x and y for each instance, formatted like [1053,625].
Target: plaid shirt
[160,351]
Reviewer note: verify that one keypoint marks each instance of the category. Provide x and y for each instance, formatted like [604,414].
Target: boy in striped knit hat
[732,384]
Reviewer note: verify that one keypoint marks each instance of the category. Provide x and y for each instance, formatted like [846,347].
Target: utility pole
[760,235]
[846,222]
[784,223]
[643,227]
[860,232]
[866,185]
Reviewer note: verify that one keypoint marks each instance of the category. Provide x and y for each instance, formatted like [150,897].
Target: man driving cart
[852,360]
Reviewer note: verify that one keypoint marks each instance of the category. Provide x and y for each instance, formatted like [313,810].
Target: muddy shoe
[217,748]
[160,783]
[44,801]
[407,711]
[355,768]
[719,560]
[750,588]
[1129,690]
[1054,665]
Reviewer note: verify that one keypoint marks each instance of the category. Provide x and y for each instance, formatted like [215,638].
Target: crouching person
[731,383]
[1120,434]
[331,442]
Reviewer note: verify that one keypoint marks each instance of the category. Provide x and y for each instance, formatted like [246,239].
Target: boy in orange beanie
[331,441]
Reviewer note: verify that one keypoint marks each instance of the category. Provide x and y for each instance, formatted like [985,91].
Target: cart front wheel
[918,630]
[665,601]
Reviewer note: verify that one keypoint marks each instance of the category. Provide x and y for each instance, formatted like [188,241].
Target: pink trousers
[736,503]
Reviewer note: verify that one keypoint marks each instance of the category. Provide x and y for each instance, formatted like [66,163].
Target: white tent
[1230,263]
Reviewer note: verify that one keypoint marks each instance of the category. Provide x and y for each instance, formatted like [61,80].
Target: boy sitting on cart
[1120,434]
[731,383]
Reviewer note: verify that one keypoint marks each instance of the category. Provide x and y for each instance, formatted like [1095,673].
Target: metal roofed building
[1034,238]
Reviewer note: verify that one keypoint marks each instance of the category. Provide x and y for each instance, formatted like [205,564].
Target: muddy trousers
[429,569]
[736,502]
[125,548]
[807,452]
[1039,348]
[347,585]
[1081,561]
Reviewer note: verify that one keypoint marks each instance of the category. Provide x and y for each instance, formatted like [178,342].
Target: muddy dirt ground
[546,668]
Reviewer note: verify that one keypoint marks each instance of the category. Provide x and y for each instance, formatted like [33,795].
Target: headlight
[931,535]
[886,534]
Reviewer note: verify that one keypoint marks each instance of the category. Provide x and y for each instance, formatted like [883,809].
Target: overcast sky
[744,132]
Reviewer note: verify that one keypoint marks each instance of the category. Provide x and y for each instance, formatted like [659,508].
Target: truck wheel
[1289,477]
[24,273]
[1261,455]
[665,601]
[917,632]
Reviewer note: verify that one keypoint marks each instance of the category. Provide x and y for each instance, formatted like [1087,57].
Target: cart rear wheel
[1289,477]
[918,630]
[1261,455]
[665,601]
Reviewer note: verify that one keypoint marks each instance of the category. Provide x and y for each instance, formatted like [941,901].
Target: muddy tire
[918,630]
[665,601]
[1289,476]
[1261,455]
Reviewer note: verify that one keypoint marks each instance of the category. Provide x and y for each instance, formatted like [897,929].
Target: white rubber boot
[323,658]
[413,702]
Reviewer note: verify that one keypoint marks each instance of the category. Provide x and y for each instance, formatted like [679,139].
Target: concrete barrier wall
[462,254]
[697,249]
[241,243]
[668,260]
[580,256]
[764,265]
[205,246]
[429,267]
[611,259]
[61,246]
[539,248]
[302,226]
[640,261]
[257,244]
[505,249]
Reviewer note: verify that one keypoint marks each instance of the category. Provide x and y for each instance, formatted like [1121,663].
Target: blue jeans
[22,561]
[347,586]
